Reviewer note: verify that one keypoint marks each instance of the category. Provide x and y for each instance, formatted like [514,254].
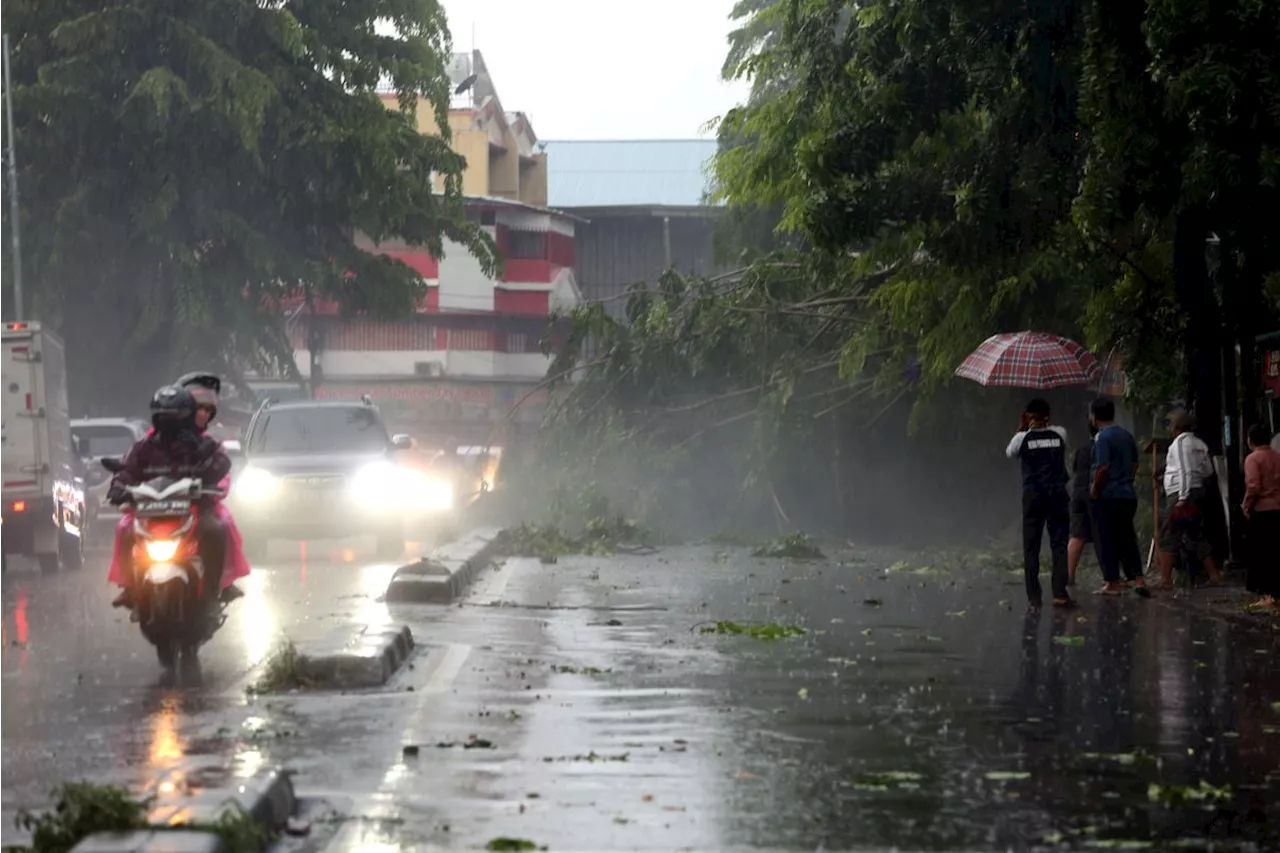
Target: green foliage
[600,536]
[795,545]
[285,668]
[184,166]
[82,809]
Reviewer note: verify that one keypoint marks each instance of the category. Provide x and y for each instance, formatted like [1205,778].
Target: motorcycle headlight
[162,550]
[255,484]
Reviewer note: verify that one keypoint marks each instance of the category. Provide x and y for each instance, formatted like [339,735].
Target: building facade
[645,208]
[473,349]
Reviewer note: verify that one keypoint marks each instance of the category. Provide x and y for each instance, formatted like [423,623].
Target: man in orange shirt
[1262,509]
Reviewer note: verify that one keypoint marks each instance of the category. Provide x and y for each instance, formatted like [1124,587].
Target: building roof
[628,173]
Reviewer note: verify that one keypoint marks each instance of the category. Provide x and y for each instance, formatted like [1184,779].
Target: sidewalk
[1225,602]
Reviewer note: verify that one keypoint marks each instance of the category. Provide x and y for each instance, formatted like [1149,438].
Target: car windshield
[93,442]
[320,430]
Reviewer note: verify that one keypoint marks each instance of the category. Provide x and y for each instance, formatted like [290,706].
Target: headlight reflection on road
[258,623]
[166,748]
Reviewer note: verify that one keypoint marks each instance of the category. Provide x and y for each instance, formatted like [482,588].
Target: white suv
[95,438]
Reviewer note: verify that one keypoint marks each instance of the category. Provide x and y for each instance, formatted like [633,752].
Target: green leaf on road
[503,843]
[1007,775]
[580,670]
[1175,795]
[1069,640]
[761,631]
[794,545]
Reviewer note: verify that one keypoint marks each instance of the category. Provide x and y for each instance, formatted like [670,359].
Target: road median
[444,577]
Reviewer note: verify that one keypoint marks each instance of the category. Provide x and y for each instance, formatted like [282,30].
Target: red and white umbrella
[1036,360]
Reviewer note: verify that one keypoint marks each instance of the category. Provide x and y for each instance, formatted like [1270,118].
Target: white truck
[43,498]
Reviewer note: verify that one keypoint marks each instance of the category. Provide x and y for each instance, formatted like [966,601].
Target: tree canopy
[942,171]
[184,166]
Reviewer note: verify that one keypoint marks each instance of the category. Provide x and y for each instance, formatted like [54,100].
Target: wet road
[923,709]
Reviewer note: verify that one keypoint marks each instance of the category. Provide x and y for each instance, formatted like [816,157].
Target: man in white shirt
[1188,468]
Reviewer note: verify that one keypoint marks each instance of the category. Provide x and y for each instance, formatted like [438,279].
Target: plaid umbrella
[1029,360]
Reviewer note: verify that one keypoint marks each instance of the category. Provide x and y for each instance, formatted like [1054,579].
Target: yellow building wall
[533,181]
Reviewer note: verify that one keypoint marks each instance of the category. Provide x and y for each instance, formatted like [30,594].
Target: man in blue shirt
[1115,502]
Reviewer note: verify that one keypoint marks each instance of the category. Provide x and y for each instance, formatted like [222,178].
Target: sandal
[1107,590]
[1065,603]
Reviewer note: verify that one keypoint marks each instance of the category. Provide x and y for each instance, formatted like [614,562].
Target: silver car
[94,439]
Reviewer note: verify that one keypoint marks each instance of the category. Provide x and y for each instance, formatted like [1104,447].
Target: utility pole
[13,187]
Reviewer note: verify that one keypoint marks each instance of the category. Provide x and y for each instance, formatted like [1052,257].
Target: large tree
[186,165]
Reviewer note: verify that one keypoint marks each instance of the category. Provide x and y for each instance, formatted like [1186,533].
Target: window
[470,339]
[526,245]
[320,429]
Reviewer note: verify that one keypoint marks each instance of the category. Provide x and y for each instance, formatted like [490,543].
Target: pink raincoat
[236,567]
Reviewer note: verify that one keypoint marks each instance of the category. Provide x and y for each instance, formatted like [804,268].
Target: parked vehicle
[44,505]
[95,439]
[170,607]
[325,470]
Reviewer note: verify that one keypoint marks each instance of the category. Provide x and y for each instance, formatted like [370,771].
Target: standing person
[1081,518]
[1115,503]
[1043,451]
[1187,472]
[1262,511]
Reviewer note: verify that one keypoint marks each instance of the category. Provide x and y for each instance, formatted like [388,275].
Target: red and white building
[473,348]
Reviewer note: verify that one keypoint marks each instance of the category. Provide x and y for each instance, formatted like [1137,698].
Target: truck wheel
[70,550]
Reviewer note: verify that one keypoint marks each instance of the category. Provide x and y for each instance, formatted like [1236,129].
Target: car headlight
[435,494]
[255,484]
[162,550]
[379,484]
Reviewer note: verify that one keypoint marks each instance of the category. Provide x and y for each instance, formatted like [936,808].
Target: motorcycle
[169,572]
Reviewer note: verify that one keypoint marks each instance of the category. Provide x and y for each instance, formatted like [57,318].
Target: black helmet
[172,410]
[204,387]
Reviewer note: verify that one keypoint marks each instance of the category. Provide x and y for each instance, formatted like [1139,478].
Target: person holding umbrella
[1042,449]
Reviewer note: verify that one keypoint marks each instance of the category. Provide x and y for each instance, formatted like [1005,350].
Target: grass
[82,809]
[286,668]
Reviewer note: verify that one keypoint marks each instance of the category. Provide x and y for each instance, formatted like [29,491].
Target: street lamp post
[13,187]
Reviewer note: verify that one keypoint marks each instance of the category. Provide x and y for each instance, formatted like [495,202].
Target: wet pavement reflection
[596,704]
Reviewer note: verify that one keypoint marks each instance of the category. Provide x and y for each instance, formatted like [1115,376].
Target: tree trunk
[1201,345]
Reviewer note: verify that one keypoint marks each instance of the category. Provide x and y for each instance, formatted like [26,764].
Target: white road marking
[495,584]
[447,668]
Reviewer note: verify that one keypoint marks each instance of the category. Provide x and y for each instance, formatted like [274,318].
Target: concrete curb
[366,657]
[444,576]
[200,793]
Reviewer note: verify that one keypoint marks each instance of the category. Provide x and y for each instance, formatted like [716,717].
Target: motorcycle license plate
[153,508]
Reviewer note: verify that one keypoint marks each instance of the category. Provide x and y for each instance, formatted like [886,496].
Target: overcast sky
[603,69]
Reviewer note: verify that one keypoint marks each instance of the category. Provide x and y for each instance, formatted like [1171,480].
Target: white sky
[603,69]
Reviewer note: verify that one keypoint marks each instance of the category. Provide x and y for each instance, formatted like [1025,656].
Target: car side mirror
[233,447]
[400,441]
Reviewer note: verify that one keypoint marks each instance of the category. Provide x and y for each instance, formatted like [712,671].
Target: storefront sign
[1271,370]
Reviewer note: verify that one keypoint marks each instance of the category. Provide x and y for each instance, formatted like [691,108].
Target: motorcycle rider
[205,388]
[175,447]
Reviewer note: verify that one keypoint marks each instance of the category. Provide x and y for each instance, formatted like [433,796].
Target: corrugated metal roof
[623,173]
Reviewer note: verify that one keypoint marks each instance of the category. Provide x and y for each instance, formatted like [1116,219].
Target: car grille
[313,487]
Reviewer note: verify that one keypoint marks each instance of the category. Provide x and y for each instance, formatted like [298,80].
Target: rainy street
[660,701]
